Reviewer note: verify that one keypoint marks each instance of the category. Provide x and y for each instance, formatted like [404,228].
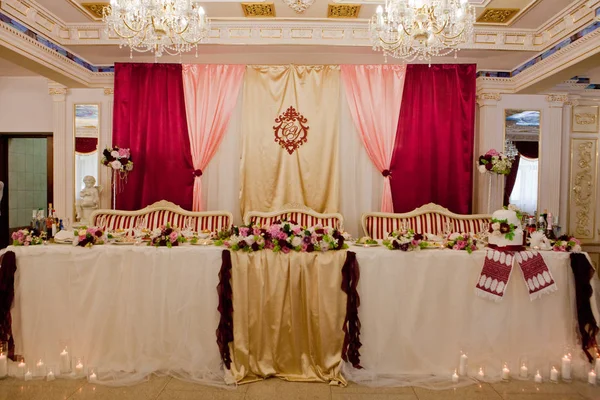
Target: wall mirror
[87,128]
[522,145]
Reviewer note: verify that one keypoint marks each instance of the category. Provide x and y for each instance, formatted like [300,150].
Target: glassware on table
[67,223]
[448,226]
[190,224]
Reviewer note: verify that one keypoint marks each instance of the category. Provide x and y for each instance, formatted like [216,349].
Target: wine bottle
[541,225]
[550,229]
[49,221]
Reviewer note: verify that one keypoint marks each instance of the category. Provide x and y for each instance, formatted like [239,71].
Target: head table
[130,311]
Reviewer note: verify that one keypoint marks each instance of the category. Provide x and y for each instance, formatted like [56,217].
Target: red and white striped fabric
[156,219]
[300,218]
[378,226]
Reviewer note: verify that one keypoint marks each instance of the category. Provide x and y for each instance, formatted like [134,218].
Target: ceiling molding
[258,10]
[343,10]
[497,16]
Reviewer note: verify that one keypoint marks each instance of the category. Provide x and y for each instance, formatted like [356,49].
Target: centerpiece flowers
[567,244]
[495,162]
[166,236]
[461,241]
[499,227]
[405,240]
[28,237]
[88,237]
[118,159]
[284,237]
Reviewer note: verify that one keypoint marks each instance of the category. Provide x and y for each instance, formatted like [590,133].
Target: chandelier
[299,5]
[421,29]
[159,26]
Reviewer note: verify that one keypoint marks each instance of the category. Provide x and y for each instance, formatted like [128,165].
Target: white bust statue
[89,200]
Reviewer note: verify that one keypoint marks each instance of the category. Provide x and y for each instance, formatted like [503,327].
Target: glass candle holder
[78,366]
[505,372]
[51,372]
[554,374]
[40,368]
[64,360]
[92,374]
[21,367]
[524,368]
[3,360]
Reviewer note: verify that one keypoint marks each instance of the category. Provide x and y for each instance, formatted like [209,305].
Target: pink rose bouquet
[494,162]
[166,236]
[117,159]
[567,244]
[461,241]
[87,237]
[27,237]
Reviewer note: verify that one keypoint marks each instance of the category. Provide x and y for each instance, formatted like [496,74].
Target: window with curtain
[527,177]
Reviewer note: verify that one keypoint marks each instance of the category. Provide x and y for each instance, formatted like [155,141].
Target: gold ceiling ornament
[158,26]
[299,5]
[422,29]
[258,10]
[497,15]
[343,10]
[95,9]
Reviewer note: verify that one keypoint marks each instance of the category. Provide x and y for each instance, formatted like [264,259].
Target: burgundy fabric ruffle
[225,329]
[588,328]
[352,344]
[8,267]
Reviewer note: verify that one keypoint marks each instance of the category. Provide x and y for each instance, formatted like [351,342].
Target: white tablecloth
[419,310]
[128,310]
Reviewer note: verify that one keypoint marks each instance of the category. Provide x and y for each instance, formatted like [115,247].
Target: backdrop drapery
[374,94]
[211,92]
[529,150]
[433,152]
[272,176]
[150,119]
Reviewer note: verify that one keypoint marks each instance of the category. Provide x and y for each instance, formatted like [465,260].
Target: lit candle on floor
[65,365]
[455,377]
[22,364]
[505,373]
[462,367]
[79,366]
[40,364]
[566,368]
[597,369]
[554,374]
[480,374]
[28,376]
[523,373]
[93,377]
[3,365]
[537,378]
[50,376]
[592,377]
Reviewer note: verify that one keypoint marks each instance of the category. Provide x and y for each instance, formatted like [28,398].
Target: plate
[63,242]
[366,245]
[202,242]
[124,243]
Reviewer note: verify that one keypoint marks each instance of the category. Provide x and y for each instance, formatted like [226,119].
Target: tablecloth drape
[288,314]
[128,311]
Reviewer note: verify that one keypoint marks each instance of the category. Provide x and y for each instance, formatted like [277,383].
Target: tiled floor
[165,388]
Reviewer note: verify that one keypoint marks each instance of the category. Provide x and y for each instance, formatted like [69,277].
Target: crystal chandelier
[299,5]
[159,26]
[510,150]
[421,29]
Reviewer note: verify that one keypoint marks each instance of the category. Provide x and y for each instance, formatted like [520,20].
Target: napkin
[64,236]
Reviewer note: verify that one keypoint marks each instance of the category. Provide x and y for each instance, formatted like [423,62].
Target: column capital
[108,91]
[488,99]
[57,91]
[557,100]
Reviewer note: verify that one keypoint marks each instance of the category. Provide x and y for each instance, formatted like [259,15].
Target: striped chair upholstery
[161,213]
[304,217]
[430,218]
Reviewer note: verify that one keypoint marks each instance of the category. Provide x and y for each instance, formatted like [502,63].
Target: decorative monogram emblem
[291,131]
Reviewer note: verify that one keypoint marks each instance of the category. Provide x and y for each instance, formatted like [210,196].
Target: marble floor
[165,388]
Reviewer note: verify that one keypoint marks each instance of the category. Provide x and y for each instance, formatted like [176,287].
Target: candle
[524,371]
[554,374]
[505,373]
[597,369]
[480,374]
[65,365]
[93,377]
[22,364]
[39,364]
[3,365]
[566,368]
[592,377]
[462,367]
[454,377]
[28,376]
[50,376]
[79,366]
[538,377]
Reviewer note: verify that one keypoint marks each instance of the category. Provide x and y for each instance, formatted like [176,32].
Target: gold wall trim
[95,9]
[582,210]
[258,10]
[497,15]
[343,10]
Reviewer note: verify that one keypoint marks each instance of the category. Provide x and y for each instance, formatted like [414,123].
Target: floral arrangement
[26,237]
[118,159]
[405,240]
[567,244]
[87,237]
[500,227]
[166,236]
[461,241]
[495,162]
[284,237]
[517,210]
[367,240]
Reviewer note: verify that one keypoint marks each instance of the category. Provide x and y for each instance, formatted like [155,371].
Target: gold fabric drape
[270,176]
[288,314]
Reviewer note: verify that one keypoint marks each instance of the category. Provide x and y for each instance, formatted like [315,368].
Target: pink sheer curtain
[211,92]
[374,95]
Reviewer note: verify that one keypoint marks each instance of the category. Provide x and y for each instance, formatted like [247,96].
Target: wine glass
[190,224]
[67,222]
[448,228]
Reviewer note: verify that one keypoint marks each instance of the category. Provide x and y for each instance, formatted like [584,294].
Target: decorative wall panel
[583,184]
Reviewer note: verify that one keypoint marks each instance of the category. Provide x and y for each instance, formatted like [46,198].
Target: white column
[550,162]
[62,154]
[104,141]
[488,136]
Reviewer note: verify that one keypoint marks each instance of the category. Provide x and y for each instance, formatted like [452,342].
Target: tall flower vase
[114,189]
[489,197]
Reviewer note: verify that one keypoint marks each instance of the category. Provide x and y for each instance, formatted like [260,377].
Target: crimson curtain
[150,119]
[433,152]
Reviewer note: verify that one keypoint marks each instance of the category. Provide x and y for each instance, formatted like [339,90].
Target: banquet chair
[430,218]
[161,213]
[297,213]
